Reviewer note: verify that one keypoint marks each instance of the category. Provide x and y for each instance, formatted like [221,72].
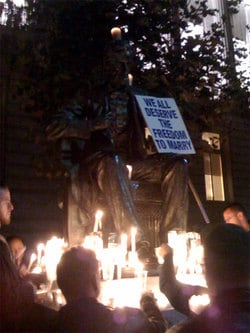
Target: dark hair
[76,268]
[3,186]
[236,207]
[12,237]
[227,254]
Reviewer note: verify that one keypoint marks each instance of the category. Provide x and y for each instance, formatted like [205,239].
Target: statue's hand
[70,123]
[56,130]
[102,121]
[100,124]
[75,128]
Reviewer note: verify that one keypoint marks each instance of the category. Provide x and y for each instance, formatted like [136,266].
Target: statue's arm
[71,123]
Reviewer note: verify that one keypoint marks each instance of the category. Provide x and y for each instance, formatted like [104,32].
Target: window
[213,168]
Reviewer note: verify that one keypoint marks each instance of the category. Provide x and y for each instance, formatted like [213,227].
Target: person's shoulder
[40,318]
[4,249]
[86,305]
[3,241]
[87,315]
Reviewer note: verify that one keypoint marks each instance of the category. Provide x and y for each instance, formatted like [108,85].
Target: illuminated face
[238,218]
[231,217]
[17,248]
[6,206]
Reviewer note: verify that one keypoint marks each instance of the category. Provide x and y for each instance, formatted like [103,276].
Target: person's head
[227,258]
[17,247]
[6,206]
[78,274]
[235,213]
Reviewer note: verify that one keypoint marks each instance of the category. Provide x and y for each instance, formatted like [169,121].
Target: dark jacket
[229,312]
[176,292]
[87,315]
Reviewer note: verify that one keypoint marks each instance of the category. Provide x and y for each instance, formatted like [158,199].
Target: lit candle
[124,238]
[40,248]
[95,243]
[116,33]
[32,260]
[130,168]
[130,79]
[133,234]
[107,264]
[37,270]
[53,251]
[98,220]
[198,302]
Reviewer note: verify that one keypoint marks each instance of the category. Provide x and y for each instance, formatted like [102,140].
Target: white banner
[166,125]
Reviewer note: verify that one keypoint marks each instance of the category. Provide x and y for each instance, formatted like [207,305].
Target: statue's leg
[148,170]
[84,195]
[175,197]
[112,177]
[172,174]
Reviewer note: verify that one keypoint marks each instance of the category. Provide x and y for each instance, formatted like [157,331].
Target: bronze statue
[106,134]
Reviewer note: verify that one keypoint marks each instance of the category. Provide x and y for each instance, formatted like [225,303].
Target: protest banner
[166,125]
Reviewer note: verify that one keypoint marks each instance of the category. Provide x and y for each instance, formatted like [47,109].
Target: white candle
[124,238]
[98,220]
[133,234]
[130,79]
[32,259]
[40,248]
[130,168]
[95,243]
[107,264]
[53,252]
[116,33]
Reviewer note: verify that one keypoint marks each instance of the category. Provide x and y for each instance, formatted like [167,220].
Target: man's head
[235,213]
[227,258]
[17,247]
[6,206]
[78,274]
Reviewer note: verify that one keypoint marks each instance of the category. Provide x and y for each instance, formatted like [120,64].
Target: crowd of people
[227,271]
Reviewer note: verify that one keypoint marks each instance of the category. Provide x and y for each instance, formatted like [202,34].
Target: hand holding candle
[197,303]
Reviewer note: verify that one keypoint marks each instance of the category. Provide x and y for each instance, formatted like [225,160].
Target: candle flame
[99,214]
[130,79]
[32,260]
[116,33]
[40,247]
[130,168]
